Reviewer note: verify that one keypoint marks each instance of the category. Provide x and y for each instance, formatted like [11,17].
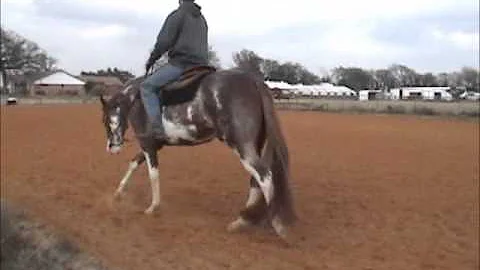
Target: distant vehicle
[12,101]
[469,95]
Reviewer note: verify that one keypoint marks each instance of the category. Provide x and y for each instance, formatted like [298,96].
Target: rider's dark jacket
[184,35]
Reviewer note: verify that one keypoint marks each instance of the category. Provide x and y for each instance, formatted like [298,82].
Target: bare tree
[21,54]
[470,78]
[248,61]
[213,58]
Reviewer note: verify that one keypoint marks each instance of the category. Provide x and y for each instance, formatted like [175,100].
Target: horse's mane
[131,89]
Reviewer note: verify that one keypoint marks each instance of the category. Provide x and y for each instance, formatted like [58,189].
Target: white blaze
[114,123]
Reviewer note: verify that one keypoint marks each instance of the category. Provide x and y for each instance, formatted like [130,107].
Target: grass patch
[30,245]
[422,110]
[395,109]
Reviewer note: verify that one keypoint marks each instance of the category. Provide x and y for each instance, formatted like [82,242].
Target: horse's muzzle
[113,148]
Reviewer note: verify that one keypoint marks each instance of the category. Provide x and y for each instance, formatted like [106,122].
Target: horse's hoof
[150,210]
[238,225]
[280,229]
[118,195]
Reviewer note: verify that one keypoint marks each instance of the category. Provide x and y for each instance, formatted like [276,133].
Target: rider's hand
[149,65]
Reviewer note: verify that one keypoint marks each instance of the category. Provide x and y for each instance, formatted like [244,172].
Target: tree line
[402,76]
[21,54]
[273,70]
[356,78]
[122,75]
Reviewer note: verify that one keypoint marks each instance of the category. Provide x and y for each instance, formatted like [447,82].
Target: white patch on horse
[177,131]
[190,113]
[217,99]
[201,108]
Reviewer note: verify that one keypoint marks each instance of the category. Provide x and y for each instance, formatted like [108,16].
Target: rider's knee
[146,87]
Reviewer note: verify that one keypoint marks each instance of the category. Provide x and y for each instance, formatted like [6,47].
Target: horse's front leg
[132,166]
[152,163]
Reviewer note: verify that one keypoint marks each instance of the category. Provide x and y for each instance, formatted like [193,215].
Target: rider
[184,35]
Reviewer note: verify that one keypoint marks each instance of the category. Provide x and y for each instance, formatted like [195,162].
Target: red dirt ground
[372,192]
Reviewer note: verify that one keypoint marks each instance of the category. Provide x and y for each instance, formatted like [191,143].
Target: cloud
[435,35]
[109,31]
[461,40]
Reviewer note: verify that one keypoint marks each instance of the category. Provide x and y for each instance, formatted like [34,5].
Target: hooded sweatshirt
[184,35]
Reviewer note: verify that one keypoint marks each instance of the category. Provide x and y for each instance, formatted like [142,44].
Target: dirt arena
[372,192]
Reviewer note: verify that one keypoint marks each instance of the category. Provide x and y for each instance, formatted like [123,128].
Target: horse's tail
[275,155]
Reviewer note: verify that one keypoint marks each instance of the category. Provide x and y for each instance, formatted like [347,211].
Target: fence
[457,108]
[421,107]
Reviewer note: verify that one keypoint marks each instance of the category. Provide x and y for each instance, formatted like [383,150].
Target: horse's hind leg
[262,175]
[132,166]
[261,183]
[254,211]
[254,194]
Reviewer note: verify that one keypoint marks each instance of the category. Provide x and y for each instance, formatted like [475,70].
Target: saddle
[184,88]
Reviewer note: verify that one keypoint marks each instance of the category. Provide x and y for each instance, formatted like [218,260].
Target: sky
[426,35]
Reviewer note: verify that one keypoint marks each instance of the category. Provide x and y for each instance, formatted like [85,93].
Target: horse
[229,105]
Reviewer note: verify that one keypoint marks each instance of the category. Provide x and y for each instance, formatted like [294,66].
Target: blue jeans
[150,92]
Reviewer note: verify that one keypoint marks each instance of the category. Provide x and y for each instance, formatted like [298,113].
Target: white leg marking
[123,184]
[125,91]
[238,224]
[155,185]
[266,185]
[176,131]
[253,196]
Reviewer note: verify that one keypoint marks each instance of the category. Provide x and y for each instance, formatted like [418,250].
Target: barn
[57,83]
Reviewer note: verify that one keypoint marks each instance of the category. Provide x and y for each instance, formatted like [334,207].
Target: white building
[58,82]
[318,90]
[279,85]
[426,93]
